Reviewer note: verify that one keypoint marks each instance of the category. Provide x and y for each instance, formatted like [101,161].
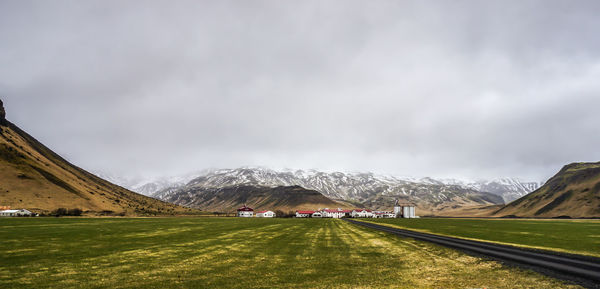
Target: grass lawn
[235,253]
[572,236]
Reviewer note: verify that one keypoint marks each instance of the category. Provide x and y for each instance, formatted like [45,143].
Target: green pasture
[571,236]
[235,253]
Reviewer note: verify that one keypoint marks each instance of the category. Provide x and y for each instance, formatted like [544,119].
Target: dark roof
[245,209]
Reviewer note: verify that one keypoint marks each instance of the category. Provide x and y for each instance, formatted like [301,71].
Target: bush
[75,212]
[67,212]
[60,212]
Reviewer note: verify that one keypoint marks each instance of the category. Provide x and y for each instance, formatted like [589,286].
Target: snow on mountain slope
[374,191]
[509,189]
[359,187]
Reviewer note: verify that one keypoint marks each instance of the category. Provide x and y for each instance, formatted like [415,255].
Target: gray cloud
[464,89]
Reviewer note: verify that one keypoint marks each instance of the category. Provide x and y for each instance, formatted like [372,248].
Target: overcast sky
[465,89]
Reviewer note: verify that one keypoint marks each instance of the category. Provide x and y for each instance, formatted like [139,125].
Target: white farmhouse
[245,211]
[336,214]
[265,214]
[16,213]
[383,214]
[361,213]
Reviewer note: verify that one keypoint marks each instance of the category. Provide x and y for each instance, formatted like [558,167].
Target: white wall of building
[267,214]
[245,214]
[15,213]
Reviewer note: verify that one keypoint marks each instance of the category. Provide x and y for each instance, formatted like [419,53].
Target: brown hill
[228,199]
[34,177]
[574,191]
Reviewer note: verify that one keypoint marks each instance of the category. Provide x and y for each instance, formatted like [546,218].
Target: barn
[245,211]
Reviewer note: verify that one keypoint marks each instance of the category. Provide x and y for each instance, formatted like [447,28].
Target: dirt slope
[574,191]
[34,177]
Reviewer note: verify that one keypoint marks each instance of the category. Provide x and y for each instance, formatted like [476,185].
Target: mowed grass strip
[570,236]
[235,253]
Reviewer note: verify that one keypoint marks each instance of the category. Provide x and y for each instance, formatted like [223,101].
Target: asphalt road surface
[583,270]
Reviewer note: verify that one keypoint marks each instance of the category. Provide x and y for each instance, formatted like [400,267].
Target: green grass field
[572,236]
[235,253]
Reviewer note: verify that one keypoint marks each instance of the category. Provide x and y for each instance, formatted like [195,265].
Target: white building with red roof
[265,214]
[304,214]
[335,213]
[245,211]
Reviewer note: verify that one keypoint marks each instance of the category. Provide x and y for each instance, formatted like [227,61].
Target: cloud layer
[466,89]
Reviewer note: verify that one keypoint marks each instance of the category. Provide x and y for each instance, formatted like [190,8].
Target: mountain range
[34,177]
[362,189]
[227,199]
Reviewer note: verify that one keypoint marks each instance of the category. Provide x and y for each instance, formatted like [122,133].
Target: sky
[447,89]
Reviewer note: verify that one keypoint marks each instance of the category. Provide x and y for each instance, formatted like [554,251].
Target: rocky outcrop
[2,114]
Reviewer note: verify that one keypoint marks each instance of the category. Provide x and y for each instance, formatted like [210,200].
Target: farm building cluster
[246,211]
[400,211]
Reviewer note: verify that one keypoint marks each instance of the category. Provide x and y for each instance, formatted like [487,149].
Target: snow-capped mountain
[366,189]
[149,187]
[509,189]
[362,188]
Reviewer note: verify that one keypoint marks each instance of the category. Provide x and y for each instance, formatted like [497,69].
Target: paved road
[583,269]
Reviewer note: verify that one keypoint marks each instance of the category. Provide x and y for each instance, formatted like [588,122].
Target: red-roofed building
[245,211]
[265,214]
[329,213]
[304,214]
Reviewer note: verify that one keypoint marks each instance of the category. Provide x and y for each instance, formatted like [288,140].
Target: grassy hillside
[571,236]
[236,253]
[35,178]
[228,199]
[574,191]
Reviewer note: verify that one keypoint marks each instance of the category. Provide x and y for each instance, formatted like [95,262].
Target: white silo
[397,210]
[406,212]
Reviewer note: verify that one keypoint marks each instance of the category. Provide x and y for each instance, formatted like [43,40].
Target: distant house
[384,214]
[265,214]
[317,215]
[361,213]
[336,214]
[245,211]
[304,214]
[16,213]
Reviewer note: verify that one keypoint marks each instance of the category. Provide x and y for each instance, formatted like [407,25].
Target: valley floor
[569,236]
[235,253]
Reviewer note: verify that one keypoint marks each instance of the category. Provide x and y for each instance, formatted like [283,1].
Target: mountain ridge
[36,178]
[227,199]
[366,189]
[574,192]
